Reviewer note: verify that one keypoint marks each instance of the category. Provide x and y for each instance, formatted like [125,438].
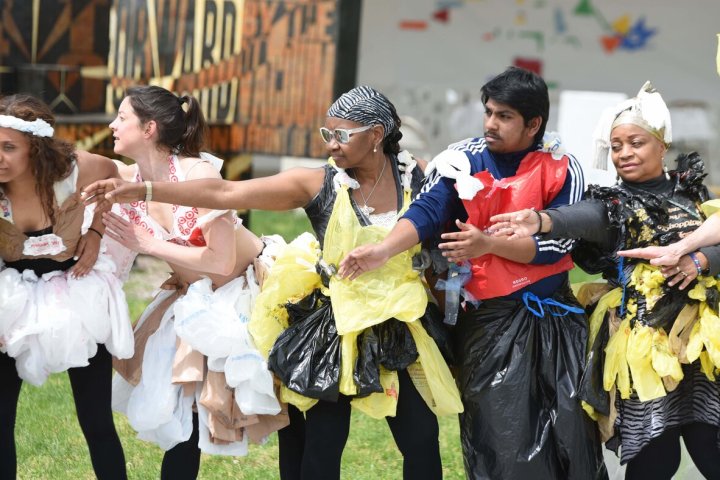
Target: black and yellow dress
[653,350]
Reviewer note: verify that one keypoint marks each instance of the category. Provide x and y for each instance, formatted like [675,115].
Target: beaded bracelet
[697,263]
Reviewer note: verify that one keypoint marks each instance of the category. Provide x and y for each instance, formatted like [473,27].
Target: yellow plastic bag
[710,207]
[646,382]
[431,375]
[382,404]
[392,291]
[348,359]
[710,332]
[302,402]
[695,344]
[663,361]
[610,300]
[707,366]
[291,278]
[616,366]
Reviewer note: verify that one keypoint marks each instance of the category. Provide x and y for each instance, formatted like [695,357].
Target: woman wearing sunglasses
[370,177]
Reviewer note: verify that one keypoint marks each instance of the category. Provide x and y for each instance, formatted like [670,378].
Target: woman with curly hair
[49,267]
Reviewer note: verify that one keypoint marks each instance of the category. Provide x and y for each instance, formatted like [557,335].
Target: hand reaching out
[362,259]
[661,256]
[683,273]
[113,190]
[86,254]
[520,224]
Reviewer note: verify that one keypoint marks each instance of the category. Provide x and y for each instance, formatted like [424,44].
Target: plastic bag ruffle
[54,322]
[201,353]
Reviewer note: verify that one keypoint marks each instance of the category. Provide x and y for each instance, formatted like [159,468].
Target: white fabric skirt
[54,322]
[213,323]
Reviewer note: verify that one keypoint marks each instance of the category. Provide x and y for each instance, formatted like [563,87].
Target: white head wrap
[38,127]
[647,110]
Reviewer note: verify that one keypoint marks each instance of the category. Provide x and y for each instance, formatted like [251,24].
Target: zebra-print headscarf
[366,106]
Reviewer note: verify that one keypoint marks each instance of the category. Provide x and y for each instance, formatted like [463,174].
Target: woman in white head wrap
[653,350]
[708,234]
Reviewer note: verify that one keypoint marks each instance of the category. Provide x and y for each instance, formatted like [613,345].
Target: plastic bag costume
[653,348]
[42,325]
[520,360]
[193,351]
[326,336]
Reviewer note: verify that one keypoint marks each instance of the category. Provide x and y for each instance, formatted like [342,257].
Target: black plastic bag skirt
[306,356]
[518,375]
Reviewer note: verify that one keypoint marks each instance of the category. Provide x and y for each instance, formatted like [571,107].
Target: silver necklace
[365,209]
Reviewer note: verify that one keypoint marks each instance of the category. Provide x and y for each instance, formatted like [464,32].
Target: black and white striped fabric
[366,106]
[696,399]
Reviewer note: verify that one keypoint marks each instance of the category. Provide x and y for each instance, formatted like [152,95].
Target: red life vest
[538,180]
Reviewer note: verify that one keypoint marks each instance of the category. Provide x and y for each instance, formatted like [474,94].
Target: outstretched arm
[287,190]
[707,234]
[370,257]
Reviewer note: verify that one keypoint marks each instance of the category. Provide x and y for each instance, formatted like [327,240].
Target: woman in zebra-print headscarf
[368,170]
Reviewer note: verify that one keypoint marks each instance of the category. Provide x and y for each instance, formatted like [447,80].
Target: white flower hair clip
[552,144]
[38,127]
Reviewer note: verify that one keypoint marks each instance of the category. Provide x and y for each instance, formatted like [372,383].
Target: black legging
[312,449]
[183,460]
[91,387]
[660,459]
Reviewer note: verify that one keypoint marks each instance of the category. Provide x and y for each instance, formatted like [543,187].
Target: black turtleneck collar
[658,185]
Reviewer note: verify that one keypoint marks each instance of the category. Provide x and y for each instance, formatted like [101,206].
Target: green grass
[286,224]
[51,446]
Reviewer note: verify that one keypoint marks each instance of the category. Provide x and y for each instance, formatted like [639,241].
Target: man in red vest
[520,350]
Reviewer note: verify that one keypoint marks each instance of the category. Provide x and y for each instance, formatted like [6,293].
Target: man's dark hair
[524,91]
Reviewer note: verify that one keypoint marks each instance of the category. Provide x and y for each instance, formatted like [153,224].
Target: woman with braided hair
[366,184]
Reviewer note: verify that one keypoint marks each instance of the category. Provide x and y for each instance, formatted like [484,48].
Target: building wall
[432,56]
[263,71]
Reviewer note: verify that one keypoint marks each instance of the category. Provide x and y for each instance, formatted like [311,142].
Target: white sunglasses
[341,135]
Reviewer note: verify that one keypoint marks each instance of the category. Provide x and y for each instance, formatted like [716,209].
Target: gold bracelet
[148,190]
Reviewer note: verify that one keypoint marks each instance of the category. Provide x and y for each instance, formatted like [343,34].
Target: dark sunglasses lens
[326,134]
[342,136]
